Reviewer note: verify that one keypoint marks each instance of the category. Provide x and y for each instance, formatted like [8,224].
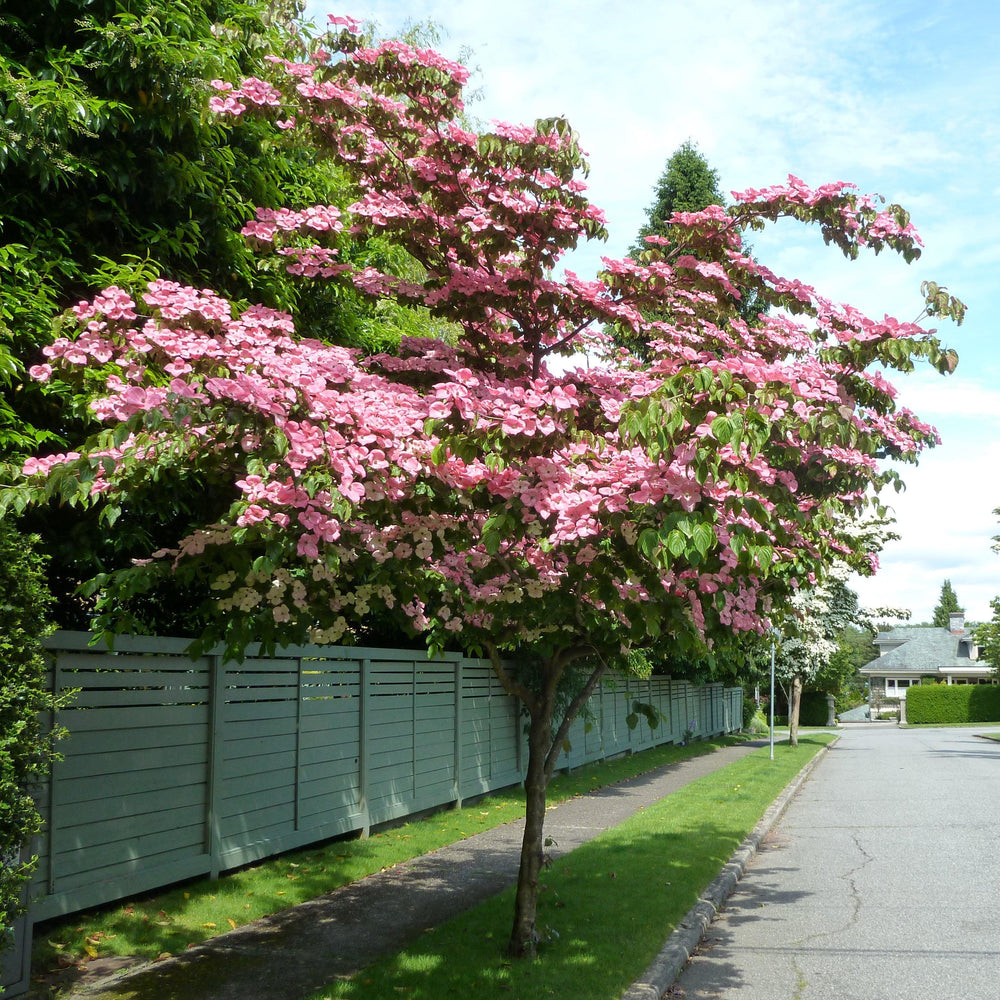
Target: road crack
[856,897]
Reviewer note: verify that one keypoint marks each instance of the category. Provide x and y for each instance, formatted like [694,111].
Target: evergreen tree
[688,184]
[947,604]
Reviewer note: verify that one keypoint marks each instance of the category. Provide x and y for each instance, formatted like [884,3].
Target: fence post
[363,748]
[459,721]
[50,832]
[298,744]
[216,756]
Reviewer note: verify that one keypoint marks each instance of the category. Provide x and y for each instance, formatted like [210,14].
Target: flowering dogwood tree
[553,521]
[819,616]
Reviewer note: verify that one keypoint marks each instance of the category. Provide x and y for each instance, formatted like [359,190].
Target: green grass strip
[168,922]
[606,907]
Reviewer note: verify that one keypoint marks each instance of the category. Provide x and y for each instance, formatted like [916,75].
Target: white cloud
[946,522]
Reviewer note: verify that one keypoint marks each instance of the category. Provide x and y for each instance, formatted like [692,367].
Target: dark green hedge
[939,703]
[813,710]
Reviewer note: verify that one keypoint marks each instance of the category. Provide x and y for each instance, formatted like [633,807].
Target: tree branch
[581,699]
[510,683]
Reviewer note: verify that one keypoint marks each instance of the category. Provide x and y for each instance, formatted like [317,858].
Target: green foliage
[25,747]
[988,638]
[947,604]
[813,710]
[114,171]
[758,723]
[839,675]
[956,703]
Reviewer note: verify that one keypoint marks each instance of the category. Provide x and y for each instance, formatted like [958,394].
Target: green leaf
[676,543]
[649,543]
[703,537]
[722,429]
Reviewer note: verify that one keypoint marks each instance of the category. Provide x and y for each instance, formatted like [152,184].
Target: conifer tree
[947,604]
[688,184]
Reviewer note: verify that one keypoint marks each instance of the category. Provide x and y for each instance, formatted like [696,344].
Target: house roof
[923,651]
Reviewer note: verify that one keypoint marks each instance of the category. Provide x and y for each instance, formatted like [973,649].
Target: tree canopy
[555,521]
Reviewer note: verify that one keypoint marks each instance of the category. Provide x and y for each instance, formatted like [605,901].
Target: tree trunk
[794,704]
[543,753]
[524,936]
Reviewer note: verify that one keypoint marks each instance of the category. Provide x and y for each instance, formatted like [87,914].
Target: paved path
[343,931]
[881,882]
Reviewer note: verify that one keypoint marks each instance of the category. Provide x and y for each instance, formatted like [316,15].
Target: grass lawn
[606,908]
[167,922]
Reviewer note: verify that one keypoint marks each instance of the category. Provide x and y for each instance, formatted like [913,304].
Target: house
[910,654]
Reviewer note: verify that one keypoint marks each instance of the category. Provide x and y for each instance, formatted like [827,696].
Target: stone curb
[679,947]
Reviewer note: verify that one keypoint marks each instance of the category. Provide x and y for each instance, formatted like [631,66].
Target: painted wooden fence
[176,768]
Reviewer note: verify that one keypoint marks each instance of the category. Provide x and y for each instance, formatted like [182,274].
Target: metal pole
[772,698]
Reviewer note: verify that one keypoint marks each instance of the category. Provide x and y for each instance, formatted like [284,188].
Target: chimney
[956,622]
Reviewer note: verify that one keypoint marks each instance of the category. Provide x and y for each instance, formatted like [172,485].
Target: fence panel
[126,808]
[491,747]
[176,768]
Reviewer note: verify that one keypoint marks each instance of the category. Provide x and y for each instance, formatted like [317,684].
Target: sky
[900,97]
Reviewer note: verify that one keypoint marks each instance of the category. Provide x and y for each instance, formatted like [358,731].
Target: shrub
[942,704]
[25,746]
[813,710]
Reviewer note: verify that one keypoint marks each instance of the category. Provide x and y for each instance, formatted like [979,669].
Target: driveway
[881,882]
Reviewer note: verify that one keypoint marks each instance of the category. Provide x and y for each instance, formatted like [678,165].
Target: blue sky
[898,96]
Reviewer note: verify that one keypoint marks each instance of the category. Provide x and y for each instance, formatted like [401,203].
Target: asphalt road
[881,882]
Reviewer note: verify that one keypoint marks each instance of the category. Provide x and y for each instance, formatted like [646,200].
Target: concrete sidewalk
[338,933]
[881,881]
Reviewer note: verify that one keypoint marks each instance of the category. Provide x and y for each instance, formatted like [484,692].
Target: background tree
[688,184]
[113,171]
[556,522]
[840,677]
[811,641]
[26,748]
[988,633]
[988,638]
[947,604]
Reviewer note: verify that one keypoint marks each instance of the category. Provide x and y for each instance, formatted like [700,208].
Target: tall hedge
[941,703]
[26,749]
[814,710]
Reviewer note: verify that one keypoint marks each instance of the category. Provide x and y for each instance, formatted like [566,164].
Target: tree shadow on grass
[605,912]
